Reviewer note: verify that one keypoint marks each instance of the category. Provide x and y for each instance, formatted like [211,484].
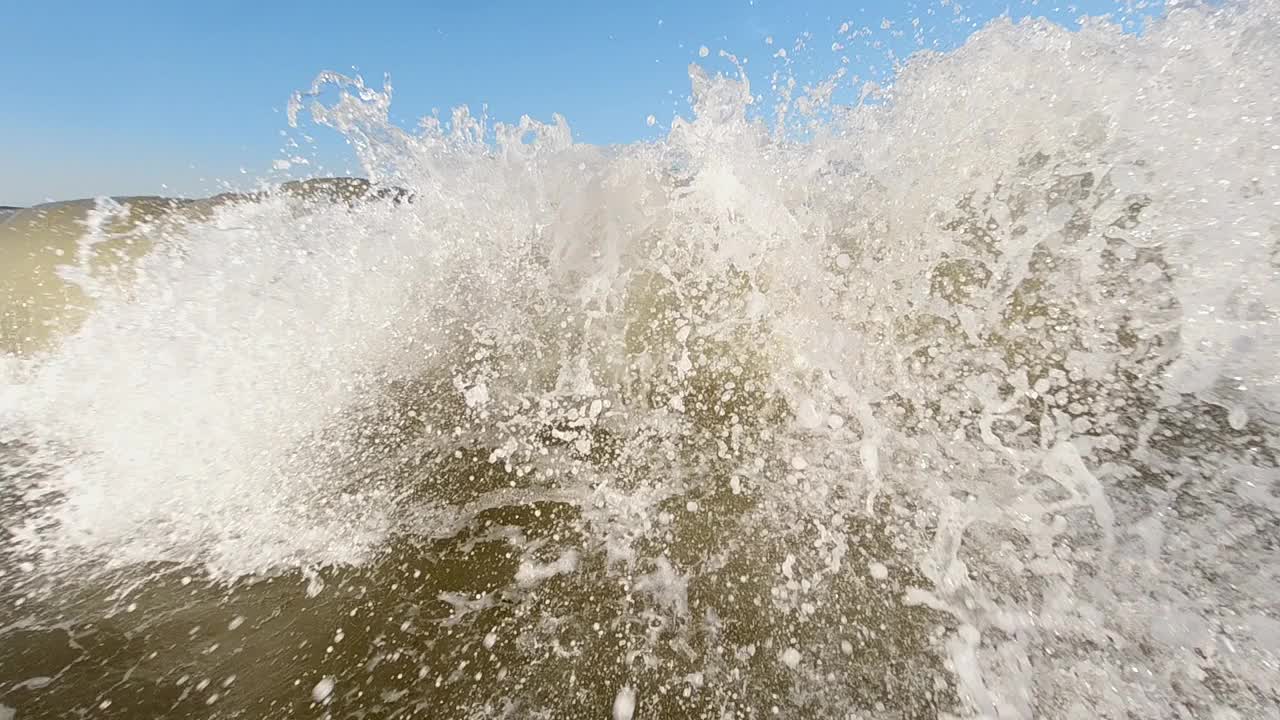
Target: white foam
[531,572]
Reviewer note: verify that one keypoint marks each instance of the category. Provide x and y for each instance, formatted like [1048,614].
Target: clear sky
[128,97]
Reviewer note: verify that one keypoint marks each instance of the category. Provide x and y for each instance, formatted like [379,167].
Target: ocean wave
[963,403]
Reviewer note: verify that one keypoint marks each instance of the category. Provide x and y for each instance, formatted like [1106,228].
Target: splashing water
[964,405]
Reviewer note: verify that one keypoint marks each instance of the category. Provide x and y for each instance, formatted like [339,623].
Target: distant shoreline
[334,188]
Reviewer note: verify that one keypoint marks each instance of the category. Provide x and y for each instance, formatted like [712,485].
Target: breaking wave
[962,404]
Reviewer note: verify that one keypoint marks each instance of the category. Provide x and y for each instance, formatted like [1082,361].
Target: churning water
[958,401]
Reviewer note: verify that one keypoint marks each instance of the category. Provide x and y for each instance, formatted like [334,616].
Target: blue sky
[129,97]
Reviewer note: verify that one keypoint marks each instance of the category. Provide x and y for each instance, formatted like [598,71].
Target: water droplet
[624,703]
[323,689]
